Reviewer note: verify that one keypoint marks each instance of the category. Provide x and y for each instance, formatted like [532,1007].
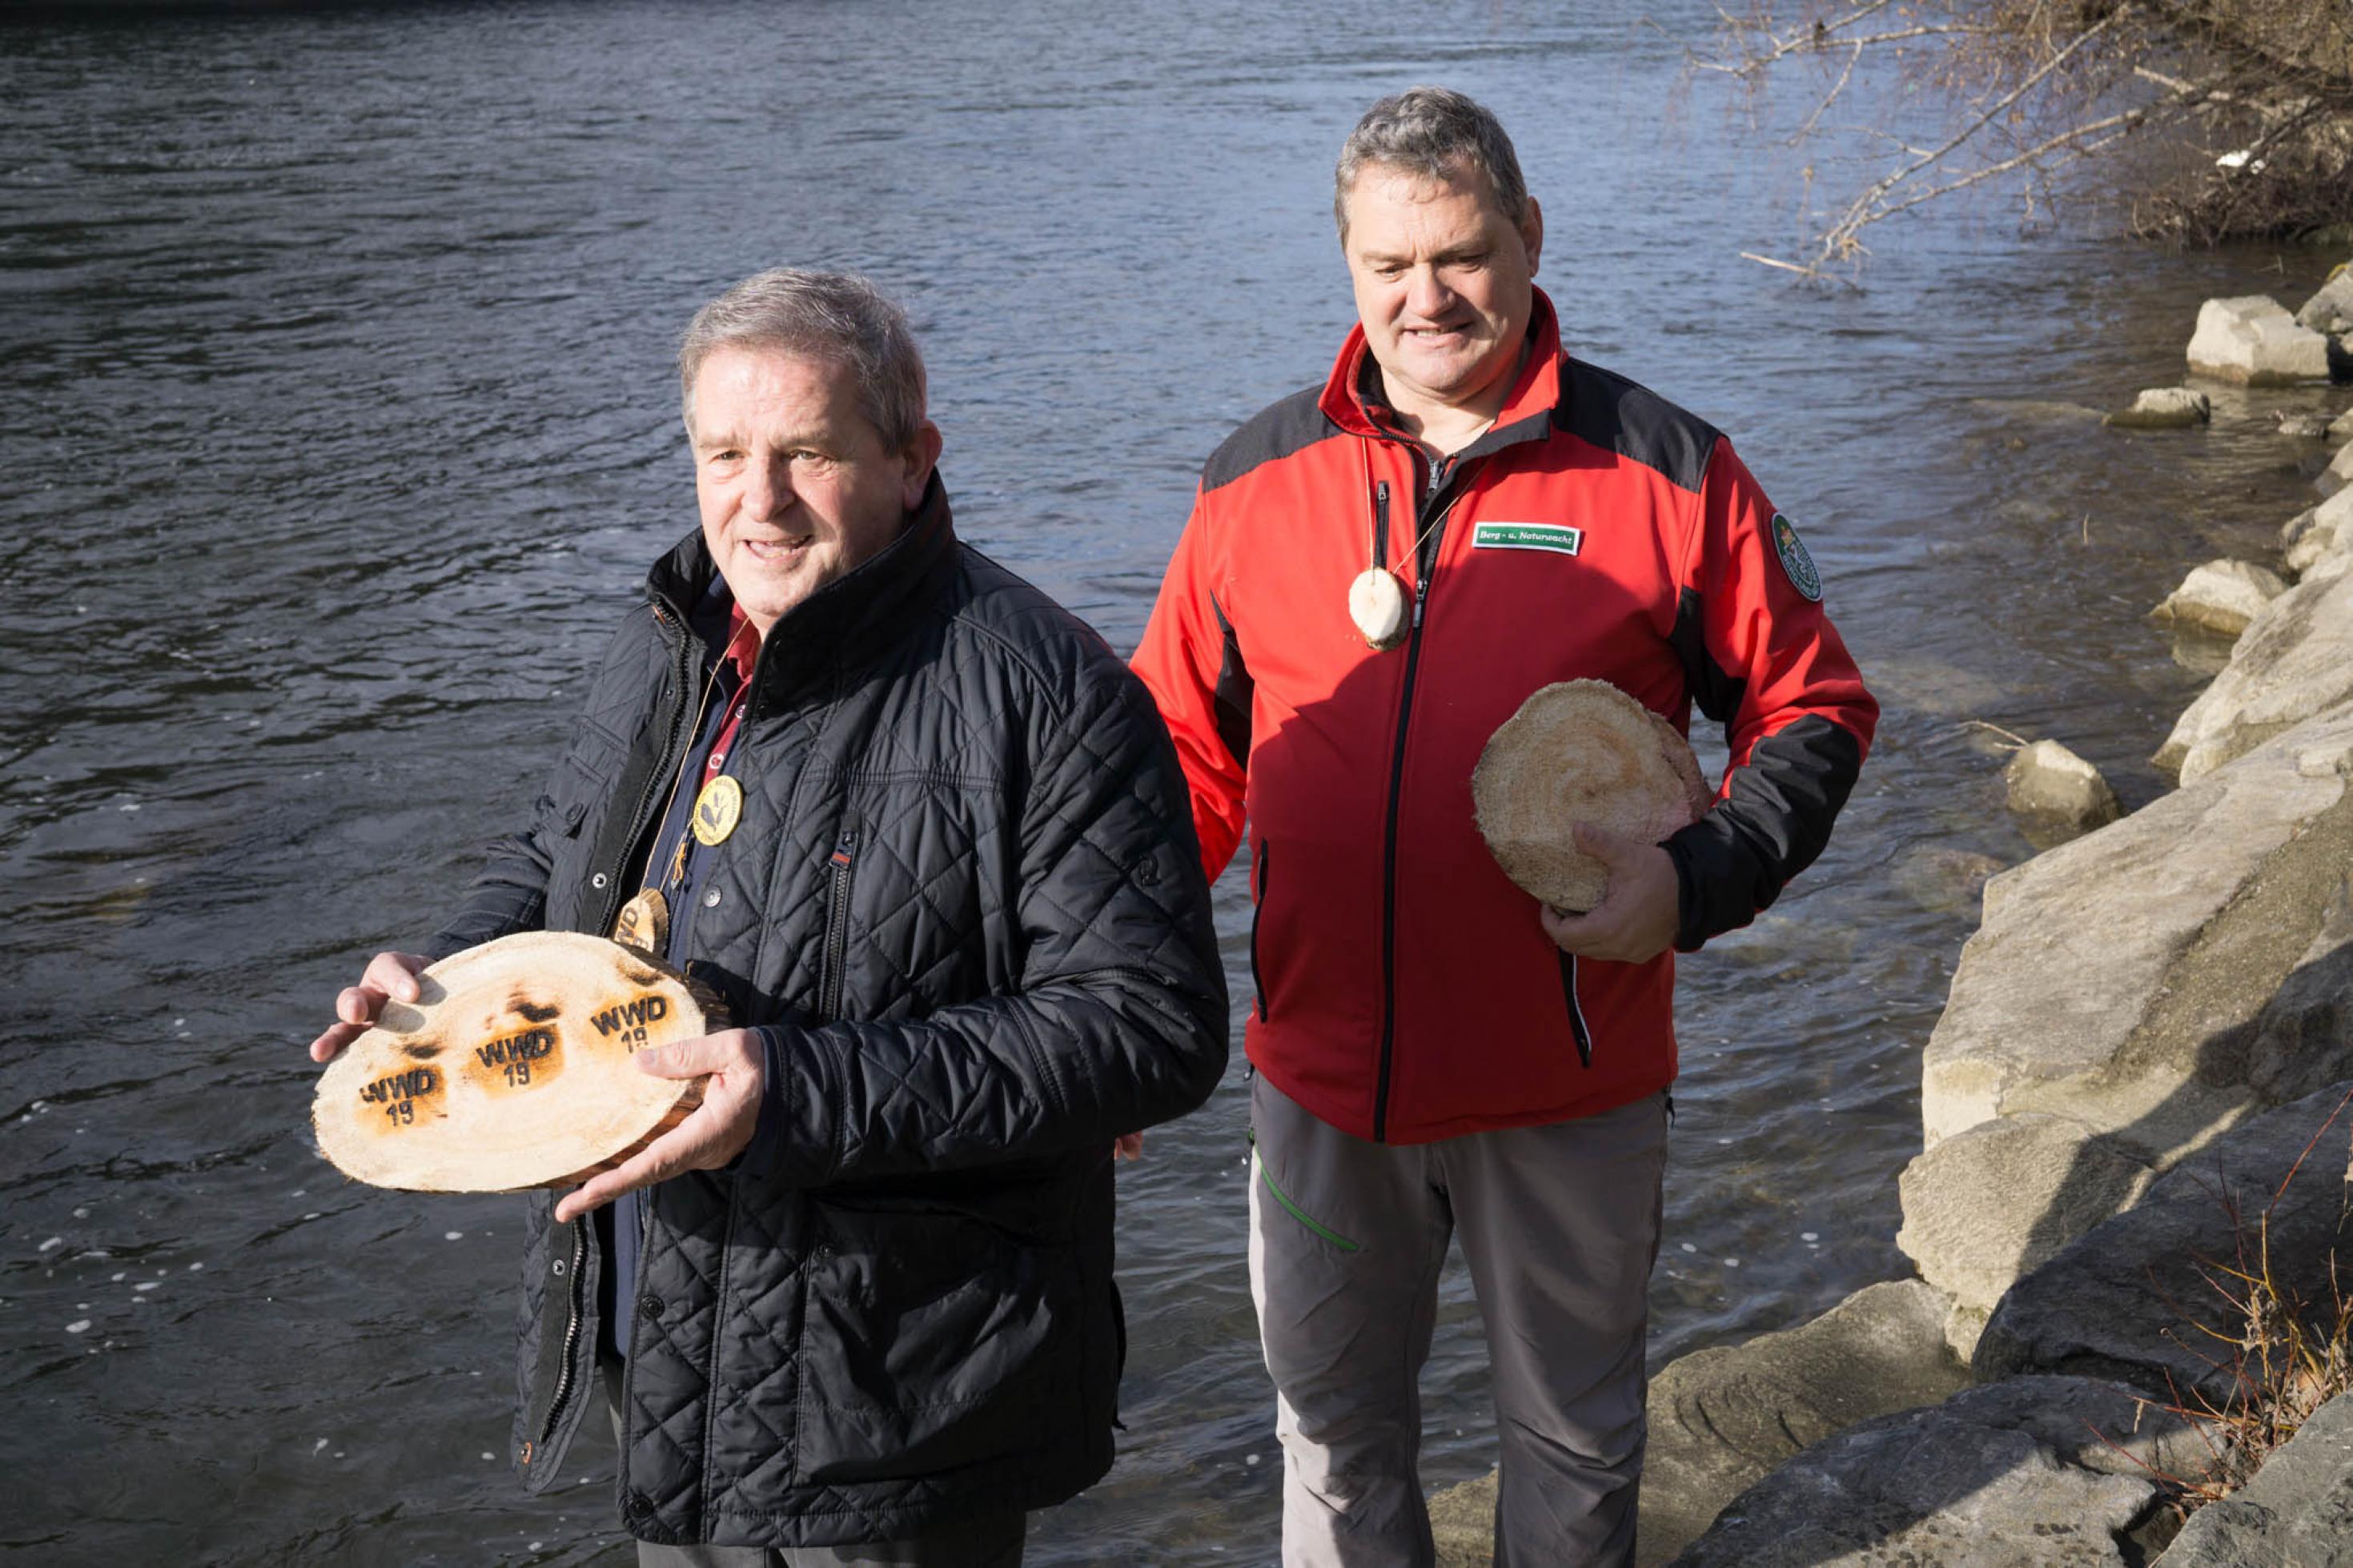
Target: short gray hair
[1438,134]
[838,316]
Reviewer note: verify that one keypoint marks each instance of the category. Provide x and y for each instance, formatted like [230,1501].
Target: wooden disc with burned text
[1580,750]
[513,1071]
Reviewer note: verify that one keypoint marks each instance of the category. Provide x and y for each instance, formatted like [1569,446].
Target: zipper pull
[845,849]
[1381,523]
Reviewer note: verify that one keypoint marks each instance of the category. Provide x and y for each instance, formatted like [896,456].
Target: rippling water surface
[336,426]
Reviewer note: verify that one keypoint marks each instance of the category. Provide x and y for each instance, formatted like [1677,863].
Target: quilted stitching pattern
[1026,970]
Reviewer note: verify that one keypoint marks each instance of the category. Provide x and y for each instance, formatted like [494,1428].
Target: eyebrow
[1467,252]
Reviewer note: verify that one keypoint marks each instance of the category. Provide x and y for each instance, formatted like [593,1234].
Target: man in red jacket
[1435,1051]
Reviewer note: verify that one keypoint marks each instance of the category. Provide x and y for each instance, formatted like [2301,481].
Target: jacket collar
[1526,413]
[847,621]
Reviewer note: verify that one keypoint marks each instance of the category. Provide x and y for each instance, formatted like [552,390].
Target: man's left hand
[713,1134]
[1636,919]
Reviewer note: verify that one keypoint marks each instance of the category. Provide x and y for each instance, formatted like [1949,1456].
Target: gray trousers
[1560,1227]
[991,1541]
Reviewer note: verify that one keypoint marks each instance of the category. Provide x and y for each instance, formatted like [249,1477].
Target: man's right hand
[389,977]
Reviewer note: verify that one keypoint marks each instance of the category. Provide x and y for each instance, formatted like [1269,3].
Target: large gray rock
[2293,660]
[2254,341]
[2164,408]
[2338,474]
[2141,1299]
[1721,1418]
[2296,1513]
[2038,1472]
[2331,309]
[1988,1205]
[2222,595]
[2311,535]
[2341,427]
[2048,780]
[2126,997]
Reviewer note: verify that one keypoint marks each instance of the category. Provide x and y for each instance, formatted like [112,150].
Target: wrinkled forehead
[1401,187]
[740,377]
[1388,198]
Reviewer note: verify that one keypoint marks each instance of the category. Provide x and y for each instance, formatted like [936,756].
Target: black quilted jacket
[966,901]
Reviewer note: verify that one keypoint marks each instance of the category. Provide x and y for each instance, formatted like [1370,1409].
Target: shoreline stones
[2311,535]
[2330,309]
[2164,408]
[2338,474]
[2143,1299]
[2036,1472]
[1721,1419]
[2293,660]
[2252,341]
[2222,595]
[2048,781]
[2298,1509]
[2107,1018]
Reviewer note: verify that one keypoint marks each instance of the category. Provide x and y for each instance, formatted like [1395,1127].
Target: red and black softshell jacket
[1404,990]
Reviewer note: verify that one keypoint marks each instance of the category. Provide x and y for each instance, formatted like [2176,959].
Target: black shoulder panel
[1604,409]
[1274,432]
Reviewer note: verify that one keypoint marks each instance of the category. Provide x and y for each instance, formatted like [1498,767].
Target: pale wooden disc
[1580,750]
[1376,604]
[513,1071]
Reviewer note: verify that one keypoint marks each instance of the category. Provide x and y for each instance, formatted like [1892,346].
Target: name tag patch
[1554,536]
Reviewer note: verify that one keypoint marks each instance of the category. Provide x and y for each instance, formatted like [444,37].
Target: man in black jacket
[926,838]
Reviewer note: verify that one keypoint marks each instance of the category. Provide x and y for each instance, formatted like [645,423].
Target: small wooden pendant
[1376,604]
[644,923]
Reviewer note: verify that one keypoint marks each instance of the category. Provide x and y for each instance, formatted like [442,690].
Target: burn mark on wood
[534,1012]
[638,975]
[531,1046]
[423,1051]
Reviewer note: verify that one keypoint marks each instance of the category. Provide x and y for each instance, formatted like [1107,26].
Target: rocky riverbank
[2123,1110]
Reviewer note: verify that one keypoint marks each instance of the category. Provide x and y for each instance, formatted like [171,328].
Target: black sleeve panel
[1713,687]
[1733,862]
[1232,697]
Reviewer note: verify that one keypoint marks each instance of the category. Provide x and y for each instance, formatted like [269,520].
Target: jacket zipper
[571,1333]
[837,924]
[1258,984]
[1436,528]
[682,675]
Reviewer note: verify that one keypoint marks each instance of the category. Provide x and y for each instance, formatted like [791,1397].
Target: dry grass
[2281,1356]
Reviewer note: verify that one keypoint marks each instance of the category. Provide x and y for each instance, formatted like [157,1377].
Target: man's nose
[769,488]
[1427,295]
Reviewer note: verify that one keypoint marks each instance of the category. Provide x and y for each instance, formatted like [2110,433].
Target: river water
[337,426]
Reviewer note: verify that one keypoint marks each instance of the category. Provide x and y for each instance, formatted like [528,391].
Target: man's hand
[713,1134]
[389,977]
[1127,1146]
[1637,918]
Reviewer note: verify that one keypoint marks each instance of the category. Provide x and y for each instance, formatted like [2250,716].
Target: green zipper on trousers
[1294,1211]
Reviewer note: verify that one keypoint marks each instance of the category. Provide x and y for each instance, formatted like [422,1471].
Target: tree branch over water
[2206,119]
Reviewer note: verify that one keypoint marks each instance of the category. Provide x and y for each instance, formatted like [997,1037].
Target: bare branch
[1832,97]
[1840,239]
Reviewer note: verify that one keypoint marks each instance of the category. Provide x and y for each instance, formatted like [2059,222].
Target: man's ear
[1532,234]
[922,455]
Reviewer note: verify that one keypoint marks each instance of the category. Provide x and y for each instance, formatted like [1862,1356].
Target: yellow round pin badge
[717,810]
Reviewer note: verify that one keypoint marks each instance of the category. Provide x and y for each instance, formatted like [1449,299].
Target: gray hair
[838,316]
[1438,134]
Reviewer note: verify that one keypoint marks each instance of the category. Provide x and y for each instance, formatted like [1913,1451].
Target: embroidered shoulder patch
[1556,536]
[1794,558]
